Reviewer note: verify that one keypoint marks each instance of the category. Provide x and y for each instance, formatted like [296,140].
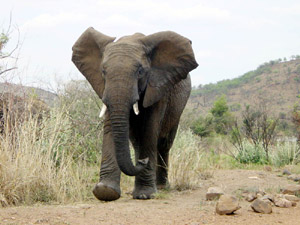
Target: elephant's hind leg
[108,189]
[164,145]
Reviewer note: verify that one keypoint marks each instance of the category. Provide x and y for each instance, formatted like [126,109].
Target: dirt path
[187,207]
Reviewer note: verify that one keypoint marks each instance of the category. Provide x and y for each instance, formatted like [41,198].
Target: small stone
[250,197]
[286,172]
[260,192]
[214,193]
[261,206]
[254,178]
[291,198]
[227,204]
[259,195]
[283,203]
[294,177]
[268,168]
[292,189]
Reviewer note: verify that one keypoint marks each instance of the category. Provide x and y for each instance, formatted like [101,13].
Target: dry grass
[34,164]
[188,162]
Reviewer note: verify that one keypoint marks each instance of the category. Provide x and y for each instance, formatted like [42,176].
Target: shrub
[296,121]
[298,70]
[203,126]
[83,107]
[235,107]
[259,127]
[222,119]
[285,154]
[251,154]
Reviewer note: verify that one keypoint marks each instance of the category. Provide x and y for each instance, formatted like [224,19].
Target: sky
[230,37]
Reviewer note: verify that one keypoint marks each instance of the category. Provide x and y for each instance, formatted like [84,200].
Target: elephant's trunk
[120,129]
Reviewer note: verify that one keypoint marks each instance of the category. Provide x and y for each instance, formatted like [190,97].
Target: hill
[23,91]
[276,84]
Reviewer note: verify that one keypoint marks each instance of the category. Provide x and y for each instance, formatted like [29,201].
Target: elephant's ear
[172,58]
[87,56]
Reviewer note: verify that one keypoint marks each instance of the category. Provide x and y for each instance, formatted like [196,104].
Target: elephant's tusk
[103,110]
[136,108]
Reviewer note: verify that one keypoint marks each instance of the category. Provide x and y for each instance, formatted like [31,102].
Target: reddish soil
[188,207]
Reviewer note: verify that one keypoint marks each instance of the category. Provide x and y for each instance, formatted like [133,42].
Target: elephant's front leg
[108,189]
[144,135]
[145,185]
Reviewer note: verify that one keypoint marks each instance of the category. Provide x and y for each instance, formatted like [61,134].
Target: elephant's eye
[103,72]
[140,71]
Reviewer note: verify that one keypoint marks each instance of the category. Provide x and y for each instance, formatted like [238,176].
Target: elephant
[144,84]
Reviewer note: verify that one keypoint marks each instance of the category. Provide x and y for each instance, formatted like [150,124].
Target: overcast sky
[230,37]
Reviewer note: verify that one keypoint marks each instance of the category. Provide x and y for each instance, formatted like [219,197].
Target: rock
[214,193]
[250,197]
[286,172]
[279,196]
[254,178]
[259,195]
[294,177]
[283,203]
[227,204]
[261,206]
[291,198]
[268,168]
[292,189]
[268,197]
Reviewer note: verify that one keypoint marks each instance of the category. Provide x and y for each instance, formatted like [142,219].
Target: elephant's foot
[105,192]
[162,182]
[163,186]
[144,193]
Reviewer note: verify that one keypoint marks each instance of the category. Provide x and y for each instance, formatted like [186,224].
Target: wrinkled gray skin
[153,71]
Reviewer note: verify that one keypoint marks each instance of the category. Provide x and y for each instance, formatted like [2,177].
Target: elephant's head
[135,69]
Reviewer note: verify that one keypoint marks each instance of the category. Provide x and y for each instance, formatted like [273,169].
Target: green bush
[203,126]
[222,118]
[285,153]
[235,107]
[83,106]
[251,154]
[298,70]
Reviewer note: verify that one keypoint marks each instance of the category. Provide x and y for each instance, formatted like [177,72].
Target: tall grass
[286,153]
[35,165]
[280,154]
[188,163]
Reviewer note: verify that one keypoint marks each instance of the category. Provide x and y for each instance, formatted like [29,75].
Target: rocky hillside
[23,91]
[275,84]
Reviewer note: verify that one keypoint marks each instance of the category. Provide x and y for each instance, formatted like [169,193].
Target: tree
[203,126]
[222,118]
[296,121]
[259,126]
[4,39]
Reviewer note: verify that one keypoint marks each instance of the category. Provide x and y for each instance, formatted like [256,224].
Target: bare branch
[6,70]
[9,24]
[12,54]
[14,49]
